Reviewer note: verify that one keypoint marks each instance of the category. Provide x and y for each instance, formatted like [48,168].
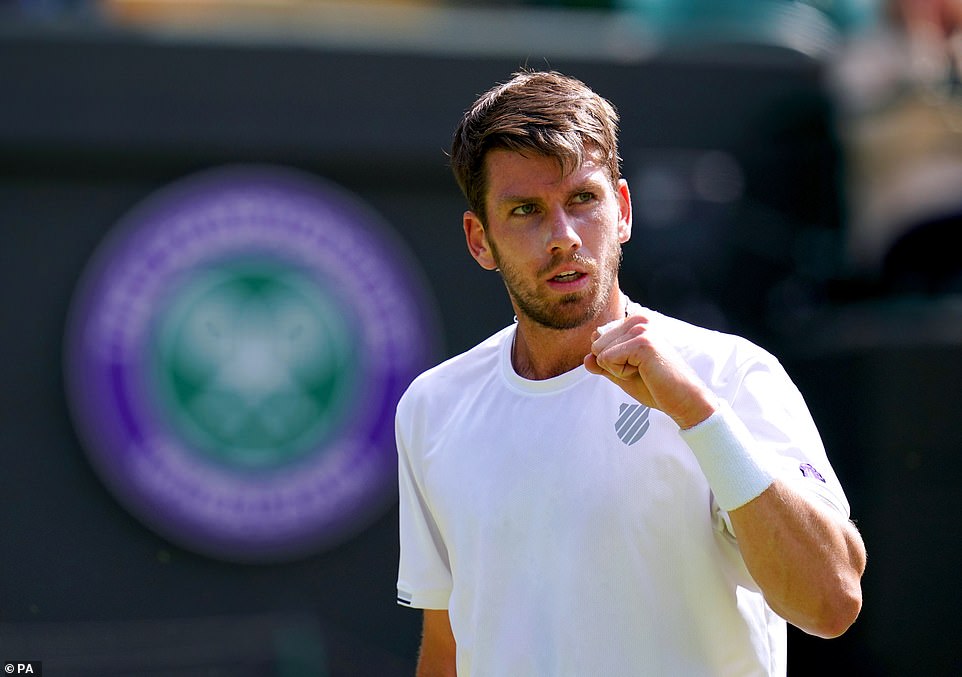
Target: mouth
[569,281]
[568,276]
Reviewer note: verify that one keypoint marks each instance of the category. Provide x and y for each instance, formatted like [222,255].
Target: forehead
[513,174]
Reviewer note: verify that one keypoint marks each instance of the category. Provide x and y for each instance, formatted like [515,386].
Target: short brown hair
[540,112]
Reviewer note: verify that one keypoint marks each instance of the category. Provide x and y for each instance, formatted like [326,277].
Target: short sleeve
[770,404]
[424,573]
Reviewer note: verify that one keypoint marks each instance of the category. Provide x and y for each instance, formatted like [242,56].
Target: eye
[586,196]
[526,209]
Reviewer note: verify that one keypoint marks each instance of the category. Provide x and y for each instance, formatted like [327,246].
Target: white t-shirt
[569,530]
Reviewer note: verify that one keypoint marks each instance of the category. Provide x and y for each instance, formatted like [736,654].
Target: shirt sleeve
[772,407]
[424,572]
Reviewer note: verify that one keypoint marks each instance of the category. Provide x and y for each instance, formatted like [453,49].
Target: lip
[574,283]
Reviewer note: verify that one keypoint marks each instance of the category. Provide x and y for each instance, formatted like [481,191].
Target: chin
[569,314]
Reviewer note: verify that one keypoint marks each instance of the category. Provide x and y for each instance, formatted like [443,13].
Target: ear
[624,211]
[477,240]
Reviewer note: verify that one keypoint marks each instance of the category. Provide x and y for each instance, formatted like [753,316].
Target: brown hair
[540,112]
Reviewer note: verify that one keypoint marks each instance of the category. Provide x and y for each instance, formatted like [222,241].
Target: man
[599,489]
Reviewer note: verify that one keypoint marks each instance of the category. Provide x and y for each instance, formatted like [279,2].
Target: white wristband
[726,452]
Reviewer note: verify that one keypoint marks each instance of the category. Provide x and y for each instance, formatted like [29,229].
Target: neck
[541,352]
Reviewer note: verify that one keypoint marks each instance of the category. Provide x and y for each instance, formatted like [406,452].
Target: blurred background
[796,169]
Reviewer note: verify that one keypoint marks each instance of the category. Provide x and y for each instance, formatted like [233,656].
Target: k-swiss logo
[632,423]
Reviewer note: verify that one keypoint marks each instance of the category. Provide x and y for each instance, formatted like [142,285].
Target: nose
[562,234]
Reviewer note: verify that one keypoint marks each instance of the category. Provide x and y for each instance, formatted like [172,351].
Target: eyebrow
[514,199]
[588,185]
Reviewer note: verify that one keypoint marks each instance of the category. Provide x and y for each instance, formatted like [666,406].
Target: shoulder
[696,341]
[721,359]
[458,374]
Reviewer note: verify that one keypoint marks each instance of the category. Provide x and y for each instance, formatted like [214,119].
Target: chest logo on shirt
[632,423]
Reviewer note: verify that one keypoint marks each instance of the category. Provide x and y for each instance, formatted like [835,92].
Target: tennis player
[600,489]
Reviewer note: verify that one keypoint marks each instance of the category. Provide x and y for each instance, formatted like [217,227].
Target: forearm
[806,558]
[438,653]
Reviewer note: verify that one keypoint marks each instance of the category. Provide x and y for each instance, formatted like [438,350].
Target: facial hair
[571,310]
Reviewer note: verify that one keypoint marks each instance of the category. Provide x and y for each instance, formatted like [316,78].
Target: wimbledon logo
[235,352]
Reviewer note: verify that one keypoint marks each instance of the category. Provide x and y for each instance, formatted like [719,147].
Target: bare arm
[437,657]
[806,559]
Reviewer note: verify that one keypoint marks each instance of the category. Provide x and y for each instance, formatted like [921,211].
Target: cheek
[509,255]
[516,246]
[605,229]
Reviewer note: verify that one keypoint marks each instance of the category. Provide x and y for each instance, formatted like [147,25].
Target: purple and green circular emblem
[235,352]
